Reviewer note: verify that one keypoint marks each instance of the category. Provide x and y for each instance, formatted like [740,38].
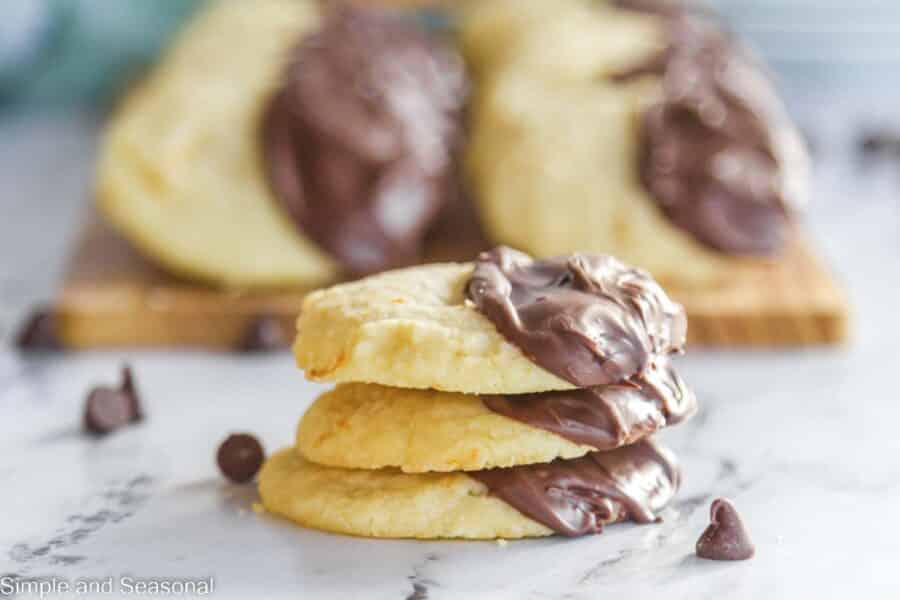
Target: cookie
[525,149]
[388,503]
[365,426]
[368,426]
[570,497]
[593,131]
[412,328]
[180,165]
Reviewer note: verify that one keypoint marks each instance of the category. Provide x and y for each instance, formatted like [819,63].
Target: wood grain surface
[112,296]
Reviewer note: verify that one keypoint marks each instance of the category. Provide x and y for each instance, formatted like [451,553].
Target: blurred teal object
[57,52]
[24,28]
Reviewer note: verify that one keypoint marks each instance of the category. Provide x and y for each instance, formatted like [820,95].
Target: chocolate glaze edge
[581,496]
[590,320]
[605,417]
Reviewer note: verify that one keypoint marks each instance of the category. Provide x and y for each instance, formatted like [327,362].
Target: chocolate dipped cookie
[575,497]
[639,129]
[509,397]
[282,146]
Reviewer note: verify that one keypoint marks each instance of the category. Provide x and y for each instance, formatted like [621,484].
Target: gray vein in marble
[120,500]
[727,482]
[420,592]
[832,478]
[421,584]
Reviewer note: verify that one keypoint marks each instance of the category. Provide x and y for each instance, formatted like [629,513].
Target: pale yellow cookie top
[412,328]
[180,169]
[365,426]
[557,39]
[387,503]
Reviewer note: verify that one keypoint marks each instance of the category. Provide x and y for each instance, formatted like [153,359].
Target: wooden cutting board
[112,296]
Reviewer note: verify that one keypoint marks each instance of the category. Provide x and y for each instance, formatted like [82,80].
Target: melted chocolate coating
[359,142]
[606,417]
[716,149]
[725,538]
[590,320]
[580,496]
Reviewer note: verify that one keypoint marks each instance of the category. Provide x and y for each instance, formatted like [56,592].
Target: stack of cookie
[507,398]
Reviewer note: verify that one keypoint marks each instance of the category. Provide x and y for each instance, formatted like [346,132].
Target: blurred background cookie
[637,129]
[315,147]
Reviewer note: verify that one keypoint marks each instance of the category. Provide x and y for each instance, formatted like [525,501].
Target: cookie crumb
[258,508]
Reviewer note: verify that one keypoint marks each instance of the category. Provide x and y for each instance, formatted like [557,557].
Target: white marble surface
[805,443]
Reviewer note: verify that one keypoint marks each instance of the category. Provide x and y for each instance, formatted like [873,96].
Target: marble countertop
[804,442]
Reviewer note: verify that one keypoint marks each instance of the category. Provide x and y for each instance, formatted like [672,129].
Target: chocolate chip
[107,408]
[725,538]
[880,142]
[265,333]
[40,332]
[239,457]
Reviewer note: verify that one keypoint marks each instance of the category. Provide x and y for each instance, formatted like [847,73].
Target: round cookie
[524,150]
[558,149]
[388,503]
[412,328]
[530,141]
[180,168]
[365,426]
